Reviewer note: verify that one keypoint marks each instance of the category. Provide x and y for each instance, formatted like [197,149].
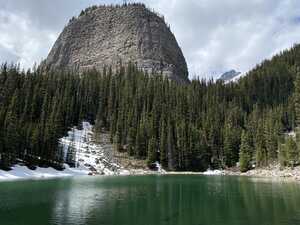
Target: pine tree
[229,147]
[260,149]
[141,144]
[131,141]
[292,152]
[297,98]
[11,132]
[171,147]
[117,142]
[71,152]
[271,142]
[282,155]
[163,145]
[245,152]
[152,152]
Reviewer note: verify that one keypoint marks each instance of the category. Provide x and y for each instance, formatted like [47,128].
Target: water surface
[150,200]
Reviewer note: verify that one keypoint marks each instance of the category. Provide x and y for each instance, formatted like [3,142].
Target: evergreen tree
[245,152]
[229,146]
[117,141]
[282,155]
[131,141]
[292,152]
[71,153]
[261,153]
[152,152]
[163,145]
[297,98]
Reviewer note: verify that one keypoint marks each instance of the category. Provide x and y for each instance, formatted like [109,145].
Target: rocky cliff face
[113,35]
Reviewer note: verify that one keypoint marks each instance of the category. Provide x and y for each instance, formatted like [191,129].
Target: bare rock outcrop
[114,35]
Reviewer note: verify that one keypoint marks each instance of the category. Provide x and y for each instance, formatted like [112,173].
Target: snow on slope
[90,159]
[89,154]
[231,76]
[236,79]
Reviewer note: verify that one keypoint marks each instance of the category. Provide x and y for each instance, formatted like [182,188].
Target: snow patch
[213,172]
[22,172]
[235,79]
[292,134]
[159,168]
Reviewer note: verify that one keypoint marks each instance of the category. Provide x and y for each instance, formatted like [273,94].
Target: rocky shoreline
[272,172]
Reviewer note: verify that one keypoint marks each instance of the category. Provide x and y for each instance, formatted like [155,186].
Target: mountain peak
[229,75]
[116,35]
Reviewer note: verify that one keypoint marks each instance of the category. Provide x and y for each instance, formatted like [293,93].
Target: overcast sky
[215,35]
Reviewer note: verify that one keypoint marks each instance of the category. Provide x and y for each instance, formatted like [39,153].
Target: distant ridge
[229,76]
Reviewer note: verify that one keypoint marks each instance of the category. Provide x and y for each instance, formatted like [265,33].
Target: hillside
[183,126]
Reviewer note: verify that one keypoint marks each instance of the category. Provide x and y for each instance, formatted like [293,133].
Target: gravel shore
[274,172]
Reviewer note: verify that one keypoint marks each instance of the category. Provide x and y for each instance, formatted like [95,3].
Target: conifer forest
[186,127]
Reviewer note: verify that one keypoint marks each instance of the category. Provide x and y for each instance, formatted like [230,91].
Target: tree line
[195,126]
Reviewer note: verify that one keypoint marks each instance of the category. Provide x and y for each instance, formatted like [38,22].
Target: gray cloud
[219,35]
[7,56]
[215,35]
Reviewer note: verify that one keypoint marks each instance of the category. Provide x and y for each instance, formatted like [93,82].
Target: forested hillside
[183,126]
[37,109]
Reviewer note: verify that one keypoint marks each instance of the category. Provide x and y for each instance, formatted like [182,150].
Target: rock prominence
[113,35]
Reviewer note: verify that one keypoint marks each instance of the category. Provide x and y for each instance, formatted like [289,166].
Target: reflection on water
[150,200]
[74,206]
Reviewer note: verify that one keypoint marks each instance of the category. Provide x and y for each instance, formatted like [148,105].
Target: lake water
[150,200]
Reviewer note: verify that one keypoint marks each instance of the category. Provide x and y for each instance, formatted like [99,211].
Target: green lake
[150,200]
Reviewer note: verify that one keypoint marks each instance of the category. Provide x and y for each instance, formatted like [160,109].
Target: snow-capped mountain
[229,76]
